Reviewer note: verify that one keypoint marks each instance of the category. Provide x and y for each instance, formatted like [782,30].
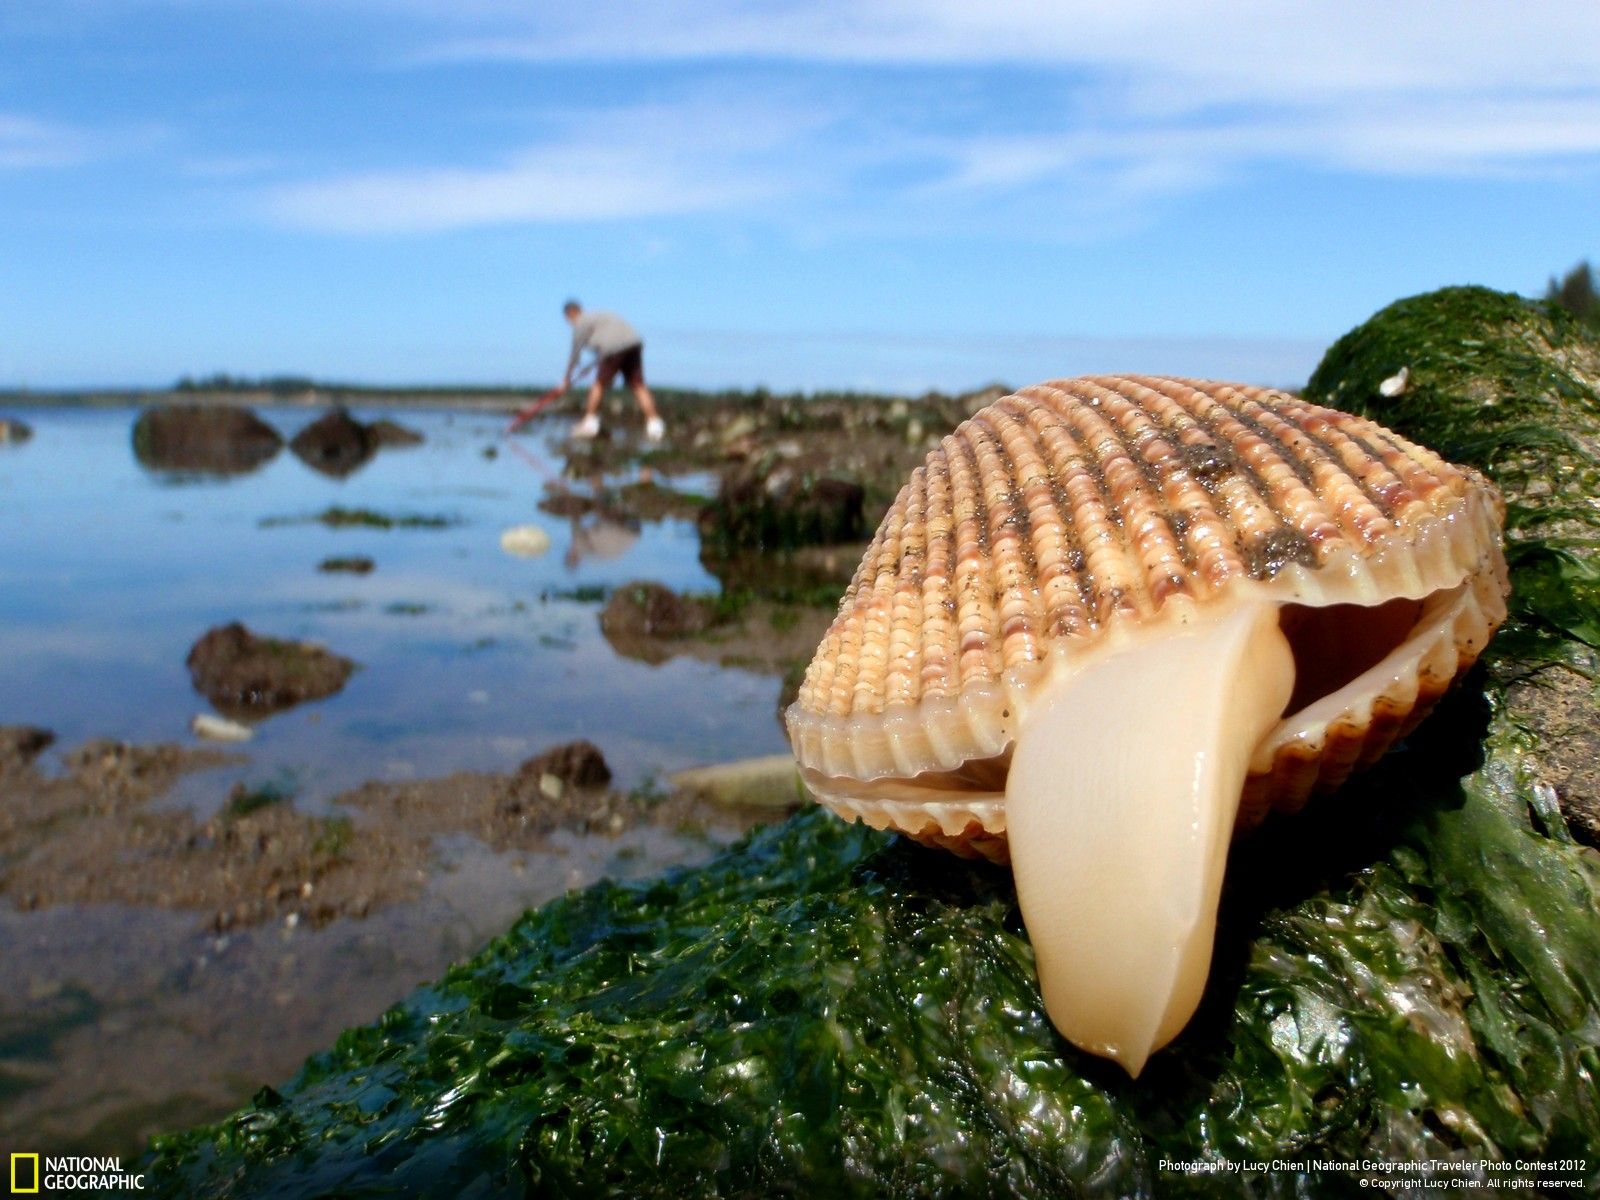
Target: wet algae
[1410,971]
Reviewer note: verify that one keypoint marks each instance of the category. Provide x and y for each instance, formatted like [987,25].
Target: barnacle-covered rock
[1110,619]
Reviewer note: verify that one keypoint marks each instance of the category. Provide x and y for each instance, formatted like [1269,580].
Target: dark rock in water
[576,764]
[204,440]
[393,435]
[13,431]
[781,509]
[243,674]
[338,445]
[355,564]
[639,616]
[335,444]
[21,744]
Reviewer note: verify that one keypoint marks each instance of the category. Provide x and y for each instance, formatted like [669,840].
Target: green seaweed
[1407,973]
[1512,387]
[338,517]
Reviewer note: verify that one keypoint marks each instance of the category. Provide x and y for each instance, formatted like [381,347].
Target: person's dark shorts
[629,363]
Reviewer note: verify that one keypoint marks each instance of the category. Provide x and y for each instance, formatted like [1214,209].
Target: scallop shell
[1061,521]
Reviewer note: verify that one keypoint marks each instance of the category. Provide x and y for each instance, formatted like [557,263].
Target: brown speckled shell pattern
[1072,511]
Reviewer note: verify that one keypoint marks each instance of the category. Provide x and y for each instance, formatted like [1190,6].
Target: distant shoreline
[485,399]
[470,399]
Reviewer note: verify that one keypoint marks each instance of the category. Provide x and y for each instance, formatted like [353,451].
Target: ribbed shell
[1060,520]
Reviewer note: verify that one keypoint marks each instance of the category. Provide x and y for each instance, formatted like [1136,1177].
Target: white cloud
[30,142]
[1157,98]
[1191,51]
[638,161]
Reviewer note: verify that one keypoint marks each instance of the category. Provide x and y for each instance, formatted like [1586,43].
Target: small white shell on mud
[220,729]
[525,541]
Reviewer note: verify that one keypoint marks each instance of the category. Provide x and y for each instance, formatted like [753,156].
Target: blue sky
[875,193]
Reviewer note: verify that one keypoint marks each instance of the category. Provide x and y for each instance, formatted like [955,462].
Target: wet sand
[165,965]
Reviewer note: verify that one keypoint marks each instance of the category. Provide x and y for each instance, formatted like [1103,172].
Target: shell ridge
[1007,567]
[1069,611]
[1023,627]
[977,631]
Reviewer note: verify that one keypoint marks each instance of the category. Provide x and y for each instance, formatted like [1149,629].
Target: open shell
[1063,521]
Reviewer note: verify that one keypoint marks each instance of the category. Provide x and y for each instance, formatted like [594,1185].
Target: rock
[335,444]
[243,674]
[13,432]
[21,744]
[737,429]
[787,507]
[649,501]
[639,615]
[768,782]
[355,564]
[576,764]
[1512,387]
[979,399]
[204,440]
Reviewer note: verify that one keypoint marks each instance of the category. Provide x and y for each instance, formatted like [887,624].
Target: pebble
[525,541]
[1395,385]
[220,729]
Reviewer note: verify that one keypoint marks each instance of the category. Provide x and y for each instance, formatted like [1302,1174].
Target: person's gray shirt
[605,333]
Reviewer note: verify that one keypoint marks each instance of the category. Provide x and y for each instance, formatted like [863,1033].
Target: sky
[880,194]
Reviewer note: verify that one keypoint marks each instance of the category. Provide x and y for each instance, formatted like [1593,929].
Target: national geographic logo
[33,1173]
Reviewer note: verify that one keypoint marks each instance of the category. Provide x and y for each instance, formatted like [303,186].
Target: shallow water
[122,1021]
[470,658]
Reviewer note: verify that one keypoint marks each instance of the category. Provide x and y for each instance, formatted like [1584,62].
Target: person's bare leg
[592,404]
[647,402]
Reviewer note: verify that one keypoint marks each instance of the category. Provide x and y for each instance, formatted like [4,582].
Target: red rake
[543,402]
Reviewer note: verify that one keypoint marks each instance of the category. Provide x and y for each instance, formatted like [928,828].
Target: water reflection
[601,536]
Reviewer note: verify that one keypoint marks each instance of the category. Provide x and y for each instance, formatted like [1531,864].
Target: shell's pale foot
[1120,806]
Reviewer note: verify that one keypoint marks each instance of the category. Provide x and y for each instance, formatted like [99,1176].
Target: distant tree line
[1575,293]
[278,385]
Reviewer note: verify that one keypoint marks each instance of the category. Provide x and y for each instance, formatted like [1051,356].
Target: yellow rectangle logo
[17,1188]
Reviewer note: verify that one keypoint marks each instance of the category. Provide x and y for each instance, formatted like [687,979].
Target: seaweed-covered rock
[203,439]
[1408,972]
[21,744]
[348,564]
[640,616]
[335,444]
[1511,386]
[782,508]
[576,764]
[244,674]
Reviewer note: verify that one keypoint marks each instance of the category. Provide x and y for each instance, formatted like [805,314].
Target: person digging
[619,350]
